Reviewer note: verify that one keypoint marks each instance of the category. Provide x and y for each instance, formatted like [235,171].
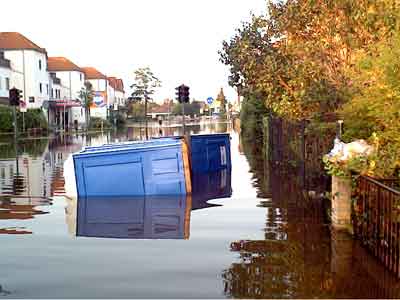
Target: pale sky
[178,39]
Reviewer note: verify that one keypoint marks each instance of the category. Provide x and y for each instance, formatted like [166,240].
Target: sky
[178,39]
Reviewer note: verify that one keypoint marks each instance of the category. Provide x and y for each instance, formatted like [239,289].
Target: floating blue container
[131,169]
[210,152]
[132,218]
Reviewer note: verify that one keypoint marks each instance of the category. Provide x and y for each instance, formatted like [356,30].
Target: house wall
[4,73]
[120,98]
[27,75]
[73,81]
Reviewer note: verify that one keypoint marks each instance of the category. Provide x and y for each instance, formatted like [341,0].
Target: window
[47,88]
[7,83]
[40,64]
[80,76]
[1,83]
[40,87]
[52,93]
[31,99]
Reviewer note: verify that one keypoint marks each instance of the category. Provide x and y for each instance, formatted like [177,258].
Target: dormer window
[40,64]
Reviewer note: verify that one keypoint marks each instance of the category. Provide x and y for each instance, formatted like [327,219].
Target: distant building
[99,84]
[66,82]
[116,93]
[5,75]
[219,104]
[28,64]
[161,111]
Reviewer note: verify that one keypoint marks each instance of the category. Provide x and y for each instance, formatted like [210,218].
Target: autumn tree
[144,87]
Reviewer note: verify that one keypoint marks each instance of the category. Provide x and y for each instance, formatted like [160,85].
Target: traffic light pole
[15,122]
[183,117]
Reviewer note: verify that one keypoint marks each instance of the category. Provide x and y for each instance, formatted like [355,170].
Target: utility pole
[145,115]
[183,117]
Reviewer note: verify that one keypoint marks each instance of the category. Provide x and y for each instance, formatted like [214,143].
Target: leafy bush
[34,118]
[96,123]
[373,113]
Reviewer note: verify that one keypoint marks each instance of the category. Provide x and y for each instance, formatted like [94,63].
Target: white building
[28,64]
[65,104]
[99,84]
[5,75]
[116,92]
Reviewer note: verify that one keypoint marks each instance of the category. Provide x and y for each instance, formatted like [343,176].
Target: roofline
[70,70]
[43,51]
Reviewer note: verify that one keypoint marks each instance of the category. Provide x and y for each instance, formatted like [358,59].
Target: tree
[86,96]
[144,86]
[296,59]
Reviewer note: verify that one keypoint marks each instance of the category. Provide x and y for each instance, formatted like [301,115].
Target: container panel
[210,152]
[114,179]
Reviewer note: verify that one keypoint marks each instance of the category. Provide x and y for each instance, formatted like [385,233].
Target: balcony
[5,63]
[56,80]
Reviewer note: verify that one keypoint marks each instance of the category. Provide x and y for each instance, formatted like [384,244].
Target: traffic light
[182,94]
[15,96]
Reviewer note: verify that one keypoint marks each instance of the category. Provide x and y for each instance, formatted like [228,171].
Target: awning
[64,103]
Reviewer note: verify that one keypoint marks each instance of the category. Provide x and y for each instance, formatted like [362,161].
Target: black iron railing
[376,220]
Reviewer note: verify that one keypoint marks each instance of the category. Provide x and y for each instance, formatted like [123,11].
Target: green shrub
[96,123]
[34,118]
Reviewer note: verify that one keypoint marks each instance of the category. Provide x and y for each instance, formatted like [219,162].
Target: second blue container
[210,152]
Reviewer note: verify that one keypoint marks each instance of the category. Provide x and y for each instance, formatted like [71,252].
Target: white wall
[4,73]
[33,75]
[99,85]
[120,98]
[73,81]
[110,95]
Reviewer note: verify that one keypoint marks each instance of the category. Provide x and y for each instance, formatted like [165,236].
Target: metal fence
[376,220]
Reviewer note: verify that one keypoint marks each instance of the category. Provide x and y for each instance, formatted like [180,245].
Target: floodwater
[252,233]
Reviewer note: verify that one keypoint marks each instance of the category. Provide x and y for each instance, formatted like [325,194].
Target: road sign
[22,106]
[210,100]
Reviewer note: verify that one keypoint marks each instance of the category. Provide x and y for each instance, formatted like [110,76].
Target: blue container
[132,218]
[210,152]
[131,169]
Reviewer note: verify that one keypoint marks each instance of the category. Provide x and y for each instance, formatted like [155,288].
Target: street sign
[22,106]
[210,100]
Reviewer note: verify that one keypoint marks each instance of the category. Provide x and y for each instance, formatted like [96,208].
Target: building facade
[99,83]
[28,63]
[5,75]
[65,109]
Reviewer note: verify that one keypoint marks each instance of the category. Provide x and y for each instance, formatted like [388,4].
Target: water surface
[253,233]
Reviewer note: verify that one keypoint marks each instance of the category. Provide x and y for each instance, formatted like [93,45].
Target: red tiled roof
[120,85]
[92,73]
[16,41]
[61,64]
[116,83]
[164,108]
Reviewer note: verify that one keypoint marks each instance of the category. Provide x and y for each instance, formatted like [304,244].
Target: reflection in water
[20,208]
[300,257]
[145,217]
[134,218]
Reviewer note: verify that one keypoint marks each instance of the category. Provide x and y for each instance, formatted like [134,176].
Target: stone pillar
[341,203]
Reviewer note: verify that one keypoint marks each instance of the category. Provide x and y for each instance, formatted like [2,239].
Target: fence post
[341,203]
